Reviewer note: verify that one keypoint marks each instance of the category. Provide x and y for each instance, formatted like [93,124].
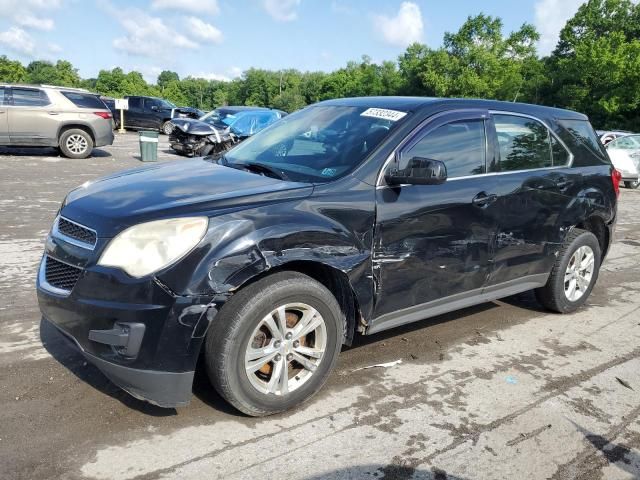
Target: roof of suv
[51,87]
[414,104]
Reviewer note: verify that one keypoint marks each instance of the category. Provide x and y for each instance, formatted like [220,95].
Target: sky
[218,39]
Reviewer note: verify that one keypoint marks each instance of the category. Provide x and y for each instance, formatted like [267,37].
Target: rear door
[4,116]
[33,120]
[133,117]
[535,188]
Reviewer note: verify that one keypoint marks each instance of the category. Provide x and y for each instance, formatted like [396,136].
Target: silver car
[73,120]
[624,152]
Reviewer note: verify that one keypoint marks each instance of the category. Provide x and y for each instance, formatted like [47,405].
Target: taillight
[616,177]
[105,115]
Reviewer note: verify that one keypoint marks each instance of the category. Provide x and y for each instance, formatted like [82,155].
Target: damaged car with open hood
[348,217]
[220,129]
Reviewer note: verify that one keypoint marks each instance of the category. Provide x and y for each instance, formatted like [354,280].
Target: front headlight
[146,248]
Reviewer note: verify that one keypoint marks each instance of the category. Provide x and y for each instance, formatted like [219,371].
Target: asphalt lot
[499,391]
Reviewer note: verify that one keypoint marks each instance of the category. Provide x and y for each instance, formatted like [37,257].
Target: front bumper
[160,367]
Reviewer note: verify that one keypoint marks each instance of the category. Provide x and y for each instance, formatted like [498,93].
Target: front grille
[61,275]
[77,232]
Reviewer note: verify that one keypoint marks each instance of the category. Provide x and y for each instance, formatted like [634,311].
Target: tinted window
[524,143]
[85,100]
[29,97]
[135,102]
[2,100]
[583,134]
[460,145]
[561,156]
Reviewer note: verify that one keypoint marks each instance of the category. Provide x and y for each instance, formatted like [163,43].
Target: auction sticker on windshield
[383,113]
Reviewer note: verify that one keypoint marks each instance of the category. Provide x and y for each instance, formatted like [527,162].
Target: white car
[624,152]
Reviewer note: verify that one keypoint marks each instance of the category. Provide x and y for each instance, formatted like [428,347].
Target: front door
[432,242]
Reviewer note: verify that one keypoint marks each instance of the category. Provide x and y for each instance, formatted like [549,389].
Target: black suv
[152,112]
[350,216]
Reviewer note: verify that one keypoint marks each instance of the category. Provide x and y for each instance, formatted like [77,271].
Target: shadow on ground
[45,152]
[386,472]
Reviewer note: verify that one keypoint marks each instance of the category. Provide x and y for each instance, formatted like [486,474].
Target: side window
[560,154]
[460,145]
[625,143]
[151,102]
[29,97]
[524,143]
[135,102]
[2,97]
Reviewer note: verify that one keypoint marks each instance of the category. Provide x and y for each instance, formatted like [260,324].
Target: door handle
[53,113]
[483,199]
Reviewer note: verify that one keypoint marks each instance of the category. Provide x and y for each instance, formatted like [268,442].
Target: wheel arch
[80,126]
[335,280]
[596,225]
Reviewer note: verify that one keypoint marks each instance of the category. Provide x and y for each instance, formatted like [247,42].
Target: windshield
[317,144]
[631,142]
[219,116]
[167,104]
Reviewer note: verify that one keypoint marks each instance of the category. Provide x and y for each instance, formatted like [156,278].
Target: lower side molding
[456,302]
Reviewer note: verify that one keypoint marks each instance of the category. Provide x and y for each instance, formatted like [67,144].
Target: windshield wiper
[261,167]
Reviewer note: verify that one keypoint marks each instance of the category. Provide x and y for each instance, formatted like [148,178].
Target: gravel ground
[503,390]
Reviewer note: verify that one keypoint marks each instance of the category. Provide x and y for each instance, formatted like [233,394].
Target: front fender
[243,245]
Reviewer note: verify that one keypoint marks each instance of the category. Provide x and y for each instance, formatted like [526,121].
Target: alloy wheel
[285,349]
[77,144]
[579,273]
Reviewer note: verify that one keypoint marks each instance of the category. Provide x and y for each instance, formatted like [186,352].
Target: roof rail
[58,87]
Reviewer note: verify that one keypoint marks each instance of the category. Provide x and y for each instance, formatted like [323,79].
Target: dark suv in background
[350,216]
[152,113]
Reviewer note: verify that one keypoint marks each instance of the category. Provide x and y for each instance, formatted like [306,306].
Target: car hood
[179,188]
[196,127]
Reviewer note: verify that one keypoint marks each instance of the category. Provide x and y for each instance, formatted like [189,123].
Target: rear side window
[460,145]
[85,100]
[2,96]
[135,102]
[29,97]
[561,156]
[525,143]
[581,133]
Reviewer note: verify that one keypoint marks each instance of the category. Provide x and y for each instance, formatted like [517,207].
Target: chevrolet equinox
[348,217]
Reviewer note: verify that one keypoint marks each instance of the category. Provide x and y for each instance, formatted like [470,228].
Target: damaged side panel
[244,244]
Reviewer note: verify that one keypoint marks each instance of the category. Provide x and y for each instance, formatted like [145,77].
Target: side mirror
[154,107]
[419,171]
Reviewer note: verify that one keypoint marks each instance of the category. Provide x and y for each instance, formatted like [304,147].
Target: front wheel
[632,185]
[167,127]
[274,344]
[574,273]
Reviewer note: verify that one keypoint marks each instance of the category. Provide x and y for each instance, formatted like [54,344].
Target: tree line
[595,69]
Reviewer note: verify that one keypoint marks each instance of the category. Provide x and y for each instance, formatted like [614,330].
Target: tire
[556,294]
[76,143]
[632,185]
[167,127]
[229,339]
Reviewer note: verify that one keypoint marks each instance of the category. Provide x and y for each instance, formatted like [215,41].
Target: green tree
[166,77]
[12,71]
[61,73]
[595,68]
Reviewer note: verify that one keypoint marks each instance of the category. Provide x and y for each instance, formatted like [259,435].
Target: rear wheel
[76,143]
[574,274]
[275,343]
[632,185]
